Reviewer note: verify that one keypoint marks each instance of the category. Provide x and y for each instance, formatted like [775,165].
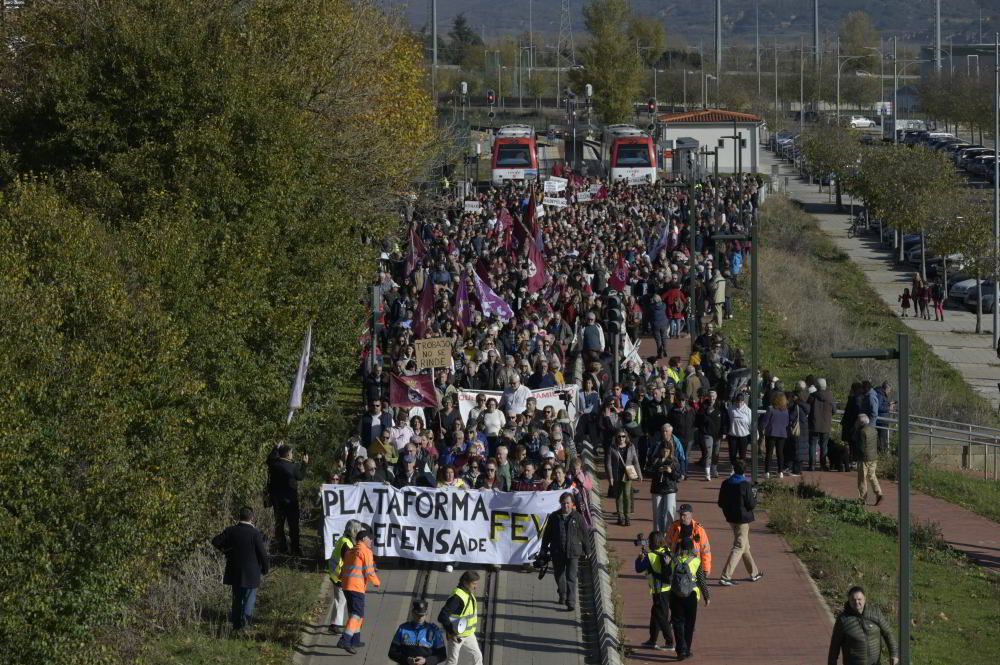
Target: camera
[641,541]
[540,562]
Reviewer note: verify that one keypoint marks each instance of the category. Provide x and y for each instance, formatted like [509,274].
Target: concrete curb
[608,635]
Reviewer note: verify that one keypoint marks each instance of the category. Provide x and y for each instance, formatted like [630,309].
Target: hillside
[912,20]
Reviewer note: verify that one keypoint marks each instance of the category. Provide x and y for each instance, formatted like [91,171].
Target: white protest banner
[543,397]
[554,185]
[555,202]
[638,180]
[441,524]
[473,206]
[595,188]
[583,197]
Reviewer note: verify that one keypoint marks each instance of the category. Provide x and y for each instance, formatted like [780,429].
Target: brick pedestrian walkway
[780,620]
[976,536]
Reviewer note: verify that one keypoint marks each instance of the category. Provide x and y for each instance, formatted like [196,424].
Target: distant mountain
[688,21]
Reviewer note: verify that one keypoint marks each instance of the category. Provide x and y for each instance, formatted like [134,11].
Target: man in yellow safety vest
[655,562]
[459,617]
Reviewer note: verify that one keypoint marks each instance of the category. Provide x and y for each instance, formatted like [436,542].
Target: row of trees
[185,187]
[914,190]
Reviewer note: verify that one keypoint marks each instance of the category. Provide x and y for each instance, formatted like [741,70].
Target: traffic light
[491,97]
[615,315]
[651,105]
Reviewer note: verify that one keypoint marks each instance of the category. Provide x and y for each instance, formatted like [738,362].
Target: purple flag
[416,251]
[422,317]
[463,310]
[490,302]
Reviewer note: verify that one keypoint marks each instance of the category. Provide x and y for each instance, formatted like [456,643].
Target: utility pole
[996,188]
[937,54]
[434,51]
[838,80]
[776,80]
[718,49]
[756,13]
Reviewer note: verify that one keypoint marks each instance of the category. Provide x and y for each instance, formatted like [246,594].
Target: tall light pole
[802,86]
[776,80]
[816,33]
[996,189]
[902,355]
[895,91]
[841,59]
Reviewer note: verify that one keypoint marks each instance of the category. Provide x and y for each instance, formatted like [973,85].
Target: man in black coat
[283,489]
[737,500]
[565,541]
[408,476]
[246,562]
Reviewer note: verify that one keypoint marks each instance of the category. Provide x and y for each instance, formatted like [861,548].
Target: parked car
[981,166]
[958,292]
[859,122]
[973,295]
[965,154]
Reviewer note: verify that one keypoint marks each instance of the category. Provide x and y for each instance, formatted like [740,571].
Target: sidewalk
[780,620]
[976,536]
[954,339]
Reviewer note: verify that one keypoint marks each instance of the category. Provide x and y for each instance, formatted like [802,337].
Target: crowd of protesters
[520,290]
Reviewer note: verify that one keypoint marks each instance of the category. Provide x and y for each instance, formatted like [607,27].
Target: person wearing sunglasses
[622,463]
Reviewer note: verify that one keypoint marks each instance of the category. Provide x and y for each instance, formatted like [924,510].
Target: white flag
[630,351]
[295,400]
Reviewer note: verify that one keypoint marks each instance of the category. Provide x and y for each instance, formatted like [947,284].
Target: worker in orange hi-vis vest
[358,570]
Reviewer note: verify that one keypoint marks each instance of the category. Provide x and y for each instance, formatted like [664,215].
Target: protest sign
[433,352]
[473,206]
[555,202]
[543,397]
[441,524]
[595,188]
[554,185]
[583,197]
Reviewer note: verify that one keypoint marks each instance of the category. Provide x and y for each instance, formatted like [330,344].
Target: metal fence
[952,443]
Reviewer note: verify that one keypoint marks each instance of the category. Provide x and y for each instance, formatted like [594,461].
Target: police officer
[459,617]
[655,562]
[687,587]
[343,545]
[418,642]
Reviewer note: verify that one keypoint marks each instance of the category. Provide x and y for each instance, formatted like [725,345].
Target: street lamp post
[754,238]
[841,59]
[901,354]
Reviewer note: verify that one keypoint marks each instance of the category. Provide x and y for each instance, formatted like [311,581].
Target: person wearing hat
[687,587]
[688,527]
[417,641]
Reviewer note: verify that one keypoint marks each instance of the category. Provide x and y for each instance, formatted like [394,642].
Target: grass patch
[961,488]
[288,598]
[842,544]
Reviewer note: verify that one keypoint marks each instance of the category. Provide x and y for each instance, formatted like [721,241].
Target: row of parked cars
[961,287]
[971,157]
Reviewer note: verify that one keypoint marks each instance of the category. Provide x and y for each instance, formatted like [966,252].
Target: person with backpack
[655,563]
[687,587]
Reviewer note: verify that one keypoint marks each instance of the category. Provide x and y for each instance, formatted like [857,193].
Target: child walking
[904,302]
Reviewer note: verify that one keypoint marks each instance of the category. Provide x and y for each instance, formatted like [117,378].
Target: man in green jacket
[858,633]
[867,446]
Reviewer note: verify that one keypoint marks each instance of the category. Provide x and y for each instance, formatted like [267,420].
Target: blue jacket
[775,422]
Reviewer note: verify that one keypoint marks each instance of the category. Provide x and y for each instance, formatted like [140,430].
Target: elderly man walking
[867,445]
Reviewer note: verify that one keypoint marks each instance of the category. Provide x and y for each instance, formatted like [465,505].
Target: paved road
[954,339]
[530,628]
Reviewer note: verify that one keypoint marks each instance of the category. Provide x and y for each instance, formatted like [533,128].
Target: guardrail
[976,441]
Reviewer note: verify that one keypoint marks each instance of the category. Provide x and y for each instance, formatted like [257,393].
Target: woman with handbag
[622,463]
